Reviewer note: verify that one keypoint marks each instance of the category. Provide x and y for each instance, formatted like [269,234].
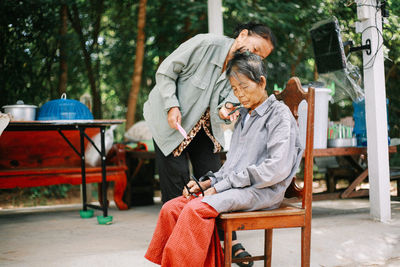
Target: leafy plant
[52,191]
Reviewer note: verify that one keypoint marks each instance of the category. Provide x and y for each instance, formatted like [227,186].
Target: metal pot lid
[19,104]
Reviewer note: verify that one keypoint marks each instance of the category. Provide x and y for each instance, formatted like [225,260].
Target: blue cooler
[360,127]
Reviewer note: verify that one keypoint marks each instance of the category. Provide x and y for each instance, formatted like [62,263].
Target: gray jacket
[191,79]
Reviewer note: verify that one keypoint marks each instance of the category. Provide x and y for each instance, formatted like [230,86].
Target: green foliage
[392,66]
[29,50]
[290,21]
[52,191]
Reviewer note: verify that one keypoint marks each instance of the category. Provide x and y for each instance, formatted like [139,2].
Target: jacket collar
[220,59]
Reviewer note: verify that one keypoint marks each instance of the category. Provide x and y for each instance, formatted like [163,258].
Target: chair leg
[268,248]
[398,187]
[227,246]
[305,245]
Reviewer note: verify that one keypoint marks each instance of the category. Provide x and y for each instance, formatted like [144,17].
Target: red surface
[27,149]
[41,158]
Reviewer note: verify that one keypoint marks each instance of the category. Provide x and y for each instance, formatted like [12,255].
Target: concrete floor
[342,235]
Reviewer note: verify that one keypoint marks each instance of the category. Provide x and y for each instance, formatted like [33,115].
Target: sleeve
[183,60]
[209,175]
[280,158]
[216,177]
[230,98]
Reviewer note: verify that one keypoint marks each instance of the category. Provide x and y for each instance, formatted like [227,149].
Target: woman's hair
[256,28]
[248,64]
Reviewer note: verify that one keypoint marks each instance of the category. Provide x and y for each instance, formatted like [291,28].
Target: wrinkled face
[255,44]
[249,93]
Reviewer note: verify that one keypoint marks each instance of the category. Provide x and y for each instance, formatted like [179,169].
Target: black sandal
[241,255]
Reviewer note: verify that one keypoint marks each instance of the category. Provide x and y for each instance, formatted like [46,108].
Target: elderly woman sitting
[264,156]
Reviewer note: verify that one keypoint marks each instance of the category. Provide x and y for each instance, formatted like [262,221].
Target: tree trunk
[138,68]
[76,23]
[315,72]
[62,83]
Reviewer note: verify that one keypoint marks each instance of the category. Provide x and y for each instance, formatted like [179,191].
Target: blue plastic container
[64,109]
[360,128]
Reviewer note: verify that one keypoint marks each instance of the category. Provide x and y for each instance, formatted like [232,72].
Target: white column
[375,107]
[215,24]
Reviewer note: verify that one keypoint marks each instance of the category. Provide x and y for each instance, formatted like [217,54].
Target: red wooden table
[81,125]
[347,152]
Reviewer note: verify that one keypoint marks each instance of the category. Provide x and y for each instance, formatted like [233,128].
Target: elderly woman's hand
[210,191]
[189,185]
[194,188]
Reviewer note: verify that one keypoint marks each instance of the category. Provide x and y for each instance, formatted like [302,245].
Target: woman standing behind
[257,171]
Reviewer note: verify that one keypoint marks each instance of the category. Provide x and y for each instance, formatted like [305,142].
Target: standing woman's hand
[174,116]
[227,112]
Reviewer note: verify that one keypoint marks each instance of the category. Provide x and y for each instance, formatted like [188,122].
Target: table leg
[83,167]
[103,171]
[354,184]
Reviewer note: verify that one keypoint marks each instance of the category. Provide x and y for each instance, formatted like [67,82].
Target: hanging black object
[328,46]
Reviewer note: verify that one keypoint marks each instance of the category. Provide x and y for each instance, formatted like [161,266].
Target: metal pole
[103,171]
[370,25]
[83,168]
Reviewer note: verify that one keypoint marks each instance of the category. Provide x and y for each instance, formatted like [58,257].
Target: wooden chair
[286,215]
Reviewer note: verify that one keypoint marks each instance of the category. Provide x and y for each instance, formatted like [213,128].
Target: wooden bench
[42,158]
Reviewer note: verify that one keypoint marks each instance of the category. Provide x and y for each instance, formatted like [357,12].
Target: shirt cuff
[171,102]
[213,181]
[209,176]
[222,185]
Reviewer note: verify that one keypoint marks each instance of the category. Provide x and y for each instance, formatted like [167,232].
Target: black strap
[198,184]
[185,185]
[237,247]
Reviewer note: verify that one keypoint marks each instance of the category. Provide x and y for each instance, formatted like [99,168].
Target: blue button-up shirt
[264,155]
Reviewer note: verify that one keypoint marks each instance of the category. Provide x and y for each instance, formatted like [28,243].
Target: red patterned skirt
[186,235]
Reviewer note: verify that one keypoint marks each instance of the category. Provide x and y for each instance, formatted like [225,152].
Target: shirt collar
[261,109]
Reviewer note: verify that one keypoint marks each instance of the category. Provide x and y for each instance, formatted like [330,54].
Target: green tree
[29,41]
[137,74]
[32,48]
[87,25]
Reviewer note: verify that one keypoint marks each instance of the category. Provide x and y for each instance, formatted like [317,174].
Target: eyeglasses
[198,184]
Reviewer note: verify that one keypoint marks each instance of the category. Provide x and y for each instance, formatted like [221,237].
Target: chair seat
[291,215]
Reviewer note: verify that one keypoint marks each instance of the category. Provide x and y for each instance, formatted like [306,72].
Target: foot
[238,251]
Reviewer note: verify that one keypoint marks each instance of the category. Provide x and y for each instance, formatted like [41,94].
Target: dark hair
[256,28]
[248,64]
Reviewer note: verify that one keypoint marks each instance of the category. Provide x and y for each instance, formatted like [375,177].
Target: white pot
[21,112]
